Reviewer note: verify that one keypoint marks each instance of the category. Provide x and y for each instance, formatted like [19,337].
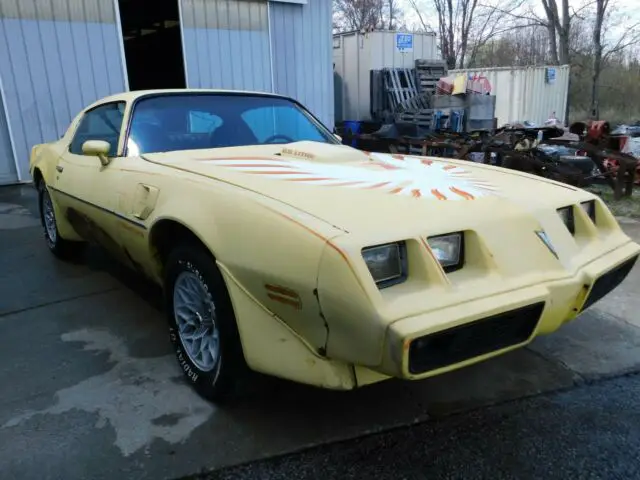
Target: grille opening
[607,282]
[474,339]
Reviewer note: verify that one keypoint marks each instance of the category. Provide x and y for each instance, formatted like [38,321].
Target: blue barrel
[353,126]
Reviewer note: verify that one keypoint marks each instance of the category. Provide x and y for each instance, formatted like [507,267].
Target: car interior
[189,122]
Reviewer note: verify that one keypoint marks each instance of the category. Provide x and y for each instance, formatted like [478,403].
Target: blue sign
[404,42]
[551,76]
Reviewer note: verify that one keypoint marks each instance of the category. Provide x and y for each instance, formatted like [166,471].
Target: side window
[101,123]
[203,122]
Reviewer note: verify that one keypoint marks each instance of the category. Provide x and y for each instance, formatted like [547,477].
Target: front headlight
[566,214]
[589,208]
[387,263]
[449,250]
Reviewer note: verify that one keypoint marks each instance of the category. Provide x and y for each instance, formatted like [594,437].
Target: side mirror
[97,148]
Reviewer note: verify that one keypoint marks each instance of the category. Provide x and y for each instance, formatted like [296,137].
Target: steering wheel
[273,137]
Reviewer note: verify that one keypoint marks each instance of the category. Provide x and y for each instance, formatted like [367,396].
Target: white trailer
[355,54]
[527,93]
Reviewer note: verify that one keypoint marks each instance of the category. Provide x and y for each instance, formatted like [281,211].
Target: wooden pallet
[428,72]
[423,118]
[428,84]
[431,64]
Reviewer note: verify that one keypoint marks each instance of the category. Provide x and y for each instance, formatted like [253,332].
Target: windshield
[195,121]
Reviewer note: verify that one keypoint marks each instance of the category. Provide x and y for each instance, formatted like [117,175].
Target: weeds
[625,207]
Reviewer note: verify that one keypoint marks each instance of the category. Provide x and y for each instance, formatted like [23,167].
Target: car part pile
[521,147]
[619,167]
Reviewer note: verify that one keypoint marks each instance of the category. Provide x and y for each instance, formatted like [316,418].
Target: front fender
[272,250]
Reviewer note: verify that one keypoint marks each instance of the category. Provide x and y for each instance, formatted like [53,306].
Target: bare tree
[602,52]
[366,14]
[357,14]
[521,47]
[393,12]
[558,19]
[559,27]
[464,26]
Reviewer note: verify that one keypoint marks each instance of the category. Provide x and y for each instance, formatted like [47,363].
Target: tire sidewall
[218,383]
[42,192]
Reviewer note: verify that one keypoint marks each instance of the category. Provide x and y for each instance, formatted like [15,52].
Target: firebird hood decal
[395,174]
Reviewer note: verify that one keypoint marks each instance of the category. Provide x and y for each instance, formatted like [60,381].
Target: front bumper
[462,334]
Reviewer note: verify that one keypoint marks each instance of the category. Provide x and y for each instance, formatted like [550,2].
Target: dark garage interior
[152,44]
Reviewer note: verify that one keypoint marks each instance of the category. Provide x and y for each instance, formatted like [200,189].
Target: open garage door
[226,44]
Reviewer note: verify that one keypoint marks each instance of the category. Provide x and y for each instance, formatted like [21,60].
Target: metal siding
[8,172]
[56,57]
[302,55]
[226,44]
[523,93]
[358,54]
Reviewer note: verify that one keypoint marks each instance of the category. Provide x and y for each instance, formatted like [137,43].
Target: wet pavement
[92,389]
[590,432]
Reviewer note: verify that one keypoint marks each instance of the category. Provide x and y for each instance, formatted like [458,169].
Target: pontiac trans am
[282,251]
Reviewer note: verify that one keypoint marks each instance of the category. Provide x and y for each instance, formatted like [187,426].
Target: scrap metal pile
[588,151]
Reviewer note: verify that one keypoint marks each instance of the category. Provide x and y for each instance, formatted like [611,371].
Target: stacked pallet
[422,118]
[394,90]
[405,95]
[428,72]
[431,119]
[401,90]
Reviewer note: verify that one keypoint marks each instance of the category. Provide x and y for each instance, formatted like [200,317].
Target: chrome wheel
[195,316]
[49,217]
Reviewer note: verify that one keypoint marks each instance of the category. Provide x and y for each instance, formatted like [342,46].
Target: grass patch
[625,207]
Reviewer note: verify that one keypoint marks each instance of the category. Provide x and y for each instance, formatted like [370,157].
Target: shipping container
[355,54]
[531,94]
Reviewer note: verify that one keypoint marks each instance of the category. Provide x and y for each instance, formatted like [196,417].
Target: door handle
[60,168]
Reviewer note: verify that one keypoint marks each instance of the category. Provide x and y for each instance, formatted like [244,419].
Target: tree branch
[630,37]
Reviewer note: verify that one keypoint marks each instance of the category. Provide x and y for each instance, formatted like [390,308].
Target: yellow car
[282,251]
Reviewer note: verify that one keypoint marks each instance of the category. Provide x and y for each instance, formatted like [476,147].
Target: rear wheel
[202,325]
[60,247]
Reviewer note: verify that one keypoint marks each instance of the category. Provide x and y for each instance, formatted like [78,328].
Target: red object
[612,165]
[598,129]
[444,86]
[478,84]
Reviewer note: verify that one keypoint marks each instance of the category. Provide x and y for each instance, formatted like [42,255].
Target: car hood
[357,191]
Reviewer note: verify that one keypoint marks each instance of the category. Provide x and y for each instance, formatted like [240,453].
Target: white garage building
[57,56]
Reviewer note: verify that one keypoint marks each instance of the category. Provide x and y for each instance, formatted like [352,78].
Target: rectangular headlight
[449,250]
[589,208]
[566,214]
[387,263]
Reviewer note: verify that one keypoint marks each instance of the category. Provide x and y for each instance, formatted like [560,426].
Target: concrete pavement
[91,387]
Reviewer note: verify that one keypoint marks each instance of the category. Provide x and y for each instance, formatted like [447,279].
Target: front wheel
[202,325]
[60,247]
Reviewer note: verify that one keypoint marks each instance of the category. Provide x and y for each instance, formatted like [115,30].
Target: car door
[79,181]
[127,192]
